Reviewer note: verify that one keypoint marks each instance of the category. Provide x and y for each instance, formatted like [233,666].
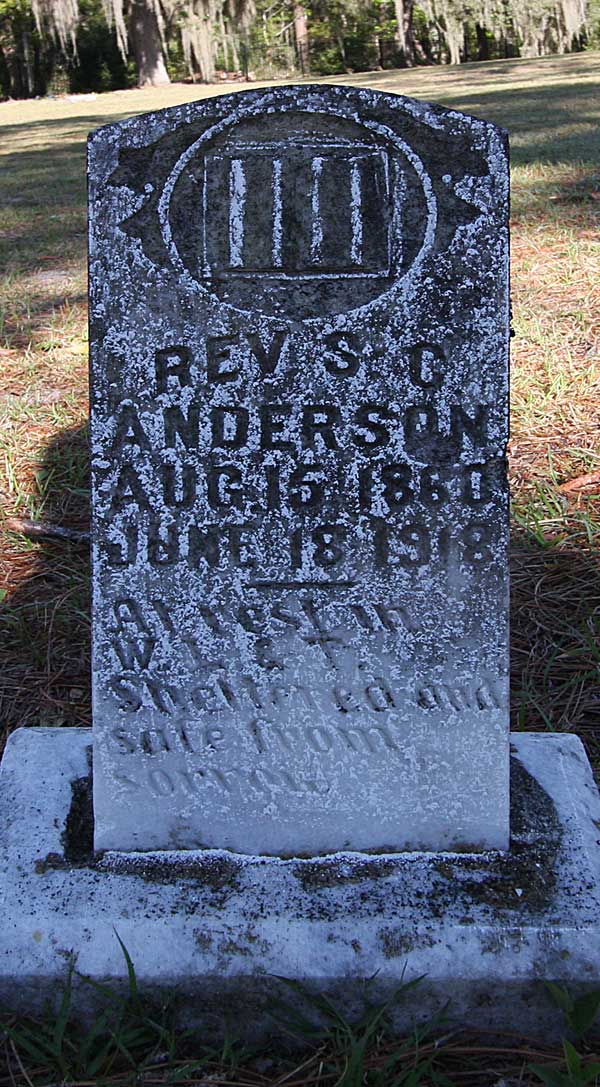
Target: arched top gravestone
[299,336]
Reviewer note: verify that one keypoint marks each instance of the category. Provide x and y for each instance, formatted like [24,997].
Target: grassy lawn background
[551,108]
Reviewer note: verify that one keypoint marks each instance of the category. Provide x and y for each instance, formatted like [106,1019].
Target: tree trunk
[14,72]
[453,49]
[144,35]
[404,35]
[301,35]
[28,65]
[234,53]
[224,42]
[483,45]
[379,52]
[342,48]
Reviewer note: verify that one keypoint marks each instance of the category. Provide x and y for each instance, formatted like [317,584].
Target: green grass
[134,1040]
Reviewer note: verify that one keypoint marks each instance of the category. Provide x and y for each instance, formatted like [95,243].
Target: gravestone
[299,342]
[299,345]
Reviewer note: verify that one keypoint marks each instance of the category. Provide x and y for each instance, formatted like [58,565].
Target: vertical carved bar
[398,182]
[237,204]
[317,219]
[277,214]
[356,248]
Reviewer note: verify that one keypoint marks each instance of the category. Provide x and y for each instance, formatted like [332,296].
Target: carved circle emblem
[296,214]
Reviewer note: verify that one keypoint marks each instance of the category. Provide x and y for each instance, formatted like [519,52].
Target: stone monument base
[484,930]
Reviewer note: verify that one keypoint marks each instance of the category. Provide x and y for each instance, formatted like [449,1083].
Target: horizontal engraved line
[328,144]
[301,584]
[249,273]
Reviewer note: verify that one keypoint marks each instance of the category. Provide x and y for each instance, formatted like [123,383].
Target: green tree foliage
[103,44]
[354,35]
[25,58]
[481,29]
[194,31]
[593,24]
[33,62]
[100,65]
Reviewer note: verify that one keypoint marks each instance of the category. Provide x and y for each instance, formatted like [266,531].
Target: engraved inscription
[278,458]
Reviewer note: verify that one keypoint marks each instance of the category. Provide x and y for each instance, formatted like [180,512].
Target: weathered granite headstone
[299,332]
[299,338]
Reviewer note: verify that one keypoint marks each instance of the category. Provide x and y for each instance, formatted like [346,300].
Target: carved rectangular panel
[299,340]
[298,212]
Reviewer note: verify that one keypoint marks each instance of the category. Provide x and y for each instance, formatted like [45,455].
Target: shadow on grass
[582,190]
[45,614]
[44,645]
[34,323]
[555,640]
[43,193]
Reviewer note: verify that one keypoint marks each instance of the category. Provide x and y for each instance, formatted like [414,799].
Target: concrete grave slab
[299,342]
[486,930]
